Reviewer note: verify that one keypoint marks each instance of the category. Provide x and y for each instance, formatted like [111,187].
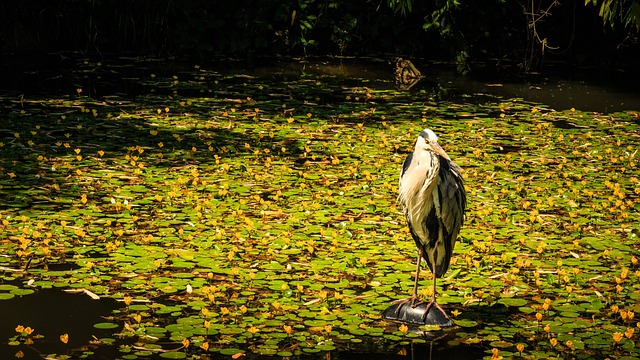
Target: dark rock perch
[404,312]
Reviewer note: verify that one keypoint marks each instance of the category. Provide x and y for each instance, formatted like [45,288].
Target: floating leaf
[105,325]
[173,355]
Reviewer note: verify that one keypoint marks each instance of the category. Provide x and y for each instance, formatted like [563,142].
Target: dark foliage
[498,31]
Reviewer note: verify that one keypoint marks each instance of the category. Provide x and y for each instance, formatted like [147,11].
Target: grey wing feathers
[453,200]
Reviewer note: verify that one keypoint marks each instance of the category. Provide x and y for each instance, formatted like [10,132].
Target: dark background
[501,35]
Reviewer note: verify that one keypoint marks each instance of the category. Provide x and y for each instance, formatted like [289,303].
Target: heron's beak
[438,149]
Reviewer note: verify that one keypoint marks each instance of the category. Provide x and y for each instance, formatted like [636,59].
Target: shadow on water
[52,313]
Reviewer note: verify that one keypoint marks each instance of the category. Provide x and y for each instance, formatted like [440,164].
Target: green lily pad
[106,325]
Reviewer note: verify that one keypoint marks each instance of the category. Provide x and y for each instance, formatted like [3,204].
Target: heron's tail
[442,260]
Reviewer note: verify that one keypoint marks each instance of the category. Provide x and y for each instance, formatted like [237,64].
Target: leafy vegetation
[625,12]
[236,215]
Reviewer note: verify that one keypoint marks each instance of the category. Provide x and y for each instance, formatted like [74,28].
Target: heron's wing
[453,202]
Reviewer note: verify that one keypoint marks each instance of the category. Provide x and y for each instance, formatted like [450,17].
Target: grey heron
[433,198]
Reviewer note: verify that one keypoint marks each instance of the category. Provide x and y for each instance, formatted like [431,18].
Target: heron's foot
[414,300]
[431,304]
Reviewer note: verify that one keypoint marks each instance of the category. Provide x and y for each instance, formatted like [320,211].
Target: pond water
[103,168]
[611,94]
[52,313]
[558,93]
[583,89]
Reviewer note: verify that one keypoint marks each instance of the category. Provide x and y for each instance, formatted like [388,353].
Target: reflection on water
[439,345]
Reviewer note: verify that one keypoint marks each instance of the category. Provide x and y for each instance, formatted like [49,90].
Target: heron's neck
[419,181]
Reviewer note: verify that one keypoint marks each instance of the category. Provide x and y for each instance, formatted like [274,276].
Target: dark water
[558,93]
[51,313]
[560,88]
[603,93]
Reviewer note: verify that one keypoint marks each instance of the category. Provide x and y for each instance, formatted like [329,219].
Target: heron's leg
[433,298]
[414,294]
[433,271]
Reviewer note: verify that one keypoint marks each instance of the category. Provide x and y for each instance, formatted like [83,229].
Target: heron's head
[428,141]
